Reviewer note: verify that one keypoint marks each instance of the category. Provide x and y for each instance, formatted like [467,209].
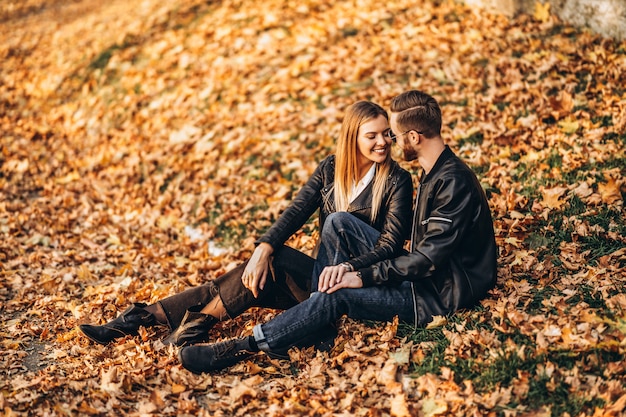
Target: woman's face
[372,143]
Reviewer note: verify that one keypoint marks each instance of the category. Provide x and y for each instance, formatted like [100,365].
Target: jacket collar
[364,199]
[445,155]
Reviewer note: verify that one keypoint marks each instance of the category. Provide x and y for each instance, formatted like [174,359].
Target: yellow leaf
[114,240]
[432,407]
[64,337]
[619,324]
[177,388]
[71,177]
[542,11]
[569,126]
[437,321]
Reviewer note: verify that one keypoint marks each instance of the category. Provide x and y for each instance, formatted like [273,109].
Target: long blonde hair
[346,169]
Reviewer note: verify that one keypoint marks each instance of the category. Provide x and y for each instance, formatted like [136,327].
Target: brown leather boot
[194,328]
[126,323]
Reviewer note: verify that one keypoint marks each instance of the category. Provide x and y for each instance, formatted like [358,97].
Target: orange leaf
[610,191]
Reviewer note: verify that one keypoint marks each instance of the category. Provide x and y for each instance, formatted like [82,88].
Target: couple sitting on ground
[361,269]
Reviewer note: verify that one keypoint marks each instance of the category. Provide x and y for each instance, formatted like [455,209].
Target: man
[451,264]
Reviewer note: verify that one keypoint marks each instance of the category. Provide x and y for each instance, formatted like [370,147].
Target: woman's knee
[336,222]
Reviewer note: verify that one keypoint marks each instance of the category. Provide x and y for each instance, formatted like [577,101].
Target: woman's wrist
[265,248]
[348,267]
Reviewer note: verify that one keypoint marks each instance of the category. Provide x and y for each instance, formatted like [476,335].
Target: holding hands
[336,277]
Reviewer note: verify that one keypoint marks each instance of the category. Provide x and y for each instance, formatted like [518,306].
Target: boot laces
[231,348]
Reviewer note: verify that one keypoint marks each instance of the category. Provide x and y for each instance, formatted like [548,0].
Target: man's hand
[254,275]
[336,277]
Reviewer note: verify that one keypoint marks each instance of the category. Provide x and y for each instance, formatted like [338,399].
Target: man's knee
[318,298]
[333,305]
[328,302]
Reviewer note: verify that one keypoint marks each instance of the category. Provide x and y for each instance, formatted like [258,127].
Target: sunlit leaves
[144,146]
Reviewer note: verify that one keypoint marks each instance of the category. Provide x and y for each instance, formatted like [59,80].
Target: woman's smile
[372,143]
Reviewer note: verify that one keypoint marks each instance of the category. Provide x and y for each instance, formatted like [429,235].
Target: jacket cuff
[367,276]
[264,240]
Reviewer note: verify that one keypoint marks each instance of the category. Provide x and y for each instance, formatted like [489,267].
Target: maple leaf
[542,11]
[610,191]
[552,197]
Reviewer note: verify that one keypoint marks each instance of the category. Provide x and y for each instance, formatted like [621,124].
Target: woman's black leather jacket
[393,219]
[453,258]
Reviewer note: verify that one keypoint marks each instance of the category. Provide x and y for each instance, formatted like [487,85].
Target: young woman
[359,185]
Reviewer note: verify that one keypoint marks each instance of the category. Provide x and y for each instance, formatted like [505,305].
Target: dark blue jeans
[344,236]
[307,322]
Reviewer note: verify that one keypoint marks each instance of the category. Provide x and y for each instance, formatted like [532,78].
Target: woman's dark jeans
[288,284]
[344,236]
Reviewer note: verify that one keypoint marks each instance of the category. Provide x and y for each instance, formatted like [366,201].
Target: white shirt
[360,186]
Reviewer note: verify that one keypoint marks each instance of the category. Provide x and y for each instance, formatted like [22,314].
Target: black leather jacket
[453,258]
[393,219]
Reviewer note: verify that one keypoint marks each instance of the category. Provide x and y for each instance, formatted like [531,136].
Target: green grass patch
[101,61]
[474,139]
[545,391]
[505,368]
[434,344]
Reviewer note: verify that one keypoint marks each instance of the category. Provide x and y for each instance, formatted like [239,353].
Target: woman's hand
[254,275]
[336,277]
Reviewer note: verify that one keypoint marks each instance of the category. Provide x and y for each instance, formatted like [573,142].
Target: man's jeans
[305,323]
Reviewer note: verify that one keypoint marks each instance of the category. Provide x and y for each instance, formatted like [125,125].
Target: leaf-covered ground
[145,144]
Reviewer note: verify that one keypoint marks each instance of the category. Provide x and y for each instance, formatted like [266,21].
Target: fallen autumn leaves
[144,143]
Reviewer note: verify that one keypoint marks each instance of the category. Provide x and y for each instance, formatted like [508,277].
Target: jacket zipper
[419,189]
[441,219]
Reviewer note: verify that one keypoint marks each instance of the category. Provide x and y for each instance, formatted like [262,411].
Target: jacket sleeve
[447,222]
[397,223]
[298,212]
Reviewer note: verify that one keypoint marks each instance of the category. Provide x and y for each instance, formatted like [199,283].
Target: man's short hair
[417,111]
